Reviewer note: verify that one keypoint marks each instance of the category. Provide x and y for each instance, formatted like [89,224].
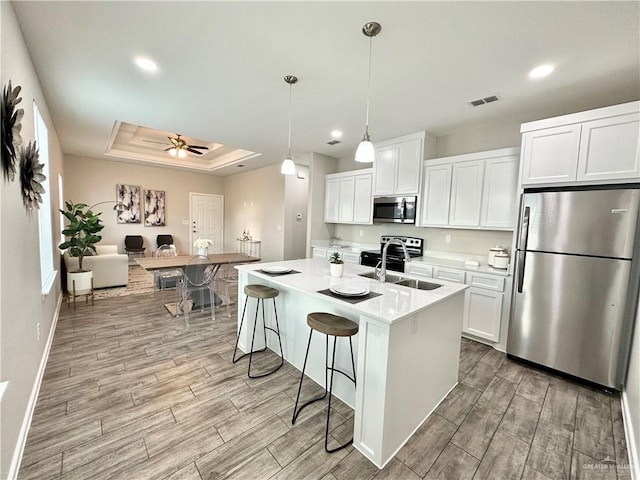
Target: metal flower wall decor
[11,127]
[31,177]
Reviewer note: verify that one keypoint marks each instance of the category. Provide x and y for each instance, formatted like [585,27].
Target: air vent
[483,101]
[333,142]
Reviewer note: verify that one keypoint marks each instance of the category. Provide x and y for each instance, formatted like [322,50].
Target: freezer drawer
[582,222]
[568,314]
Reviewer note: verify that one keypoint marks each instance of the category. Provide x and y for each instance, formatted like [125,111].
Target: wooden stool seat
[331,324]
[260,291]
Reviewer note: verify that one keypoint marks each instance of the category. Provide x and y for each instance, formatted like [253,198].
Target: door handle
[520,267]
[404,209]
[524,229]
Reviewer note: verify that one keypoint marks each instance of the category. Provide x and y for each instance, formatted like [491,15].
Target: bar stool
[259,292]
[335,326]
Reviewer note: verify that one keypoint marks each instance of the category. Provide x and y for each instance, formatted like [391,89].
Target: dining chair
[166,278]
[195,286]
[228,278]
[164,239]
[134,245]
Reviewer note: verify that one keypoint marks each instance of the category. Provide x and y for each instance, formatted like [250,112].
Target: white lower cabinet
[448,274]
[319,253]
[482,313]
[419,269]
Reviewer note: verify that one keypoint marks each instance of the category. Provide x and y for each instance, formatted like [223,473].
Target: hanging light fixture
[365,152]
[288,167]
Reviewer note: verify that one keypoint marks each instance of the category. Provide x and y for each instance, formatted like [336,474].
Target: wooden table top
[181,261]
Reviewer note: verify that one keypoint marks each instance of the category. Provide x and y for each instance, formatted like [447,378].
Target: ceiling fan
[179,147]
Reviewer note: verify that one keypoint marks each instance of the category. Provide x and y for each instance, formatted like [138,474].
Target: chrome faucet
[382,271]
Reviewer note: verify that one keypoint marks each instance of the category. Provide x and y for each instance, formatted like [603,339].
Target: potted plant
[336,265]
[82,232]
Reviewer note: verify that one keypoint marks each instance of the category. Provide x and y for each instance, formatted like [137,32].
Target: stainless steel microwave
[394,210]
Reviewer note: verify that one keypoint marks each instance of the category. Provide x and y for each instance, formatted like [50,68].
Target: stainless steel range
[395,256]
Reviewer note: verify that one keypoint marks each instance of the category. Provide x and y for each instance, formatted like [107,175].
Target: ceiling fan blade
[197,146]
[189,149]
[168,148]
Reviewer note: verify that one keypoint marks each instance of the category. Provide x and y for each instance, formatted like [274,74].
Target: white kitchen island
[407,348]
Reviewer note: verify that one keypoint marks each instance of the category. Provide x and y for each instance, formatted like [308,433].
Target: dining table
[152,264]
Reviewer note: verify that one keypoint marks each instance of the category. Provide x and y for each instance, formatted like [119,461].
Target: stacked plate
[276,269]
[348,290]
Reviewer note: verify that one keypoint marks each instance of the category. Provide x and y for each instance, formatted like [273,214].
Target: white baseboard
[33,398]
[632,447]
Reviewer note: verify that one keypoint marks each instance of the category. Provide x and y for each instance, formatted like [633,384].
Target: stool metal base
[329,381]
[253,337]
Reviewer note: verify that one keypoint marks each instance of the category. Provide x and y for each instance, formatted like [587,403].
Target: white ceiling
[222,66]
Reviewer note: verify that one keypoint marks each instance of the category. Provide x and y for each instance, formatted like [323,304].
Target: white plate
[276,269]
[347,290]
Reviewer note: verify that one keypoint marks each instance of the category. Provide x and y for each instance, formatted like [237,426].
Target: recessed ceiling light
[541,71]
[146,64]
[336,134]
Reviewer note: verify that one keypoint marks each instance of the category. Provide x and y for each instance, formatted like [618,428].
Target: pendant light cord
[289,144]
[368,88]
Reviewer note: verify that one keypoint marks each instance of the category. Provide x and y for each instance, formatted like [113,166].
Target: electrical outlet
[362,233]
[447,239]
[38,331]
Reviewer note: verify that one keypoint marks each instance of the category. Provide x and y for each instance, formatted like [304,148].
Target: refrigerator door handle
[520,267]
[524,229]
[522,253]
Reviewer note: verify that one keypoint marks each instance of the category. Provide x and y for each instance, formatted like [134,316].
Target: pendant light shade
[365,152]
[288,167]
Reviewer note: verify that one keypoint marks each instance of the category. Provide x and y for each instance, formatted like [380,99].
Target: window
[47,272]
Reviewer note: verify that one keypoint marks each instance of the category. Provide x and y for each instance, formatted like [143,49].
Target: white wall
[92,180]
[22,305]
[296,202]
[319,167]
[254,200]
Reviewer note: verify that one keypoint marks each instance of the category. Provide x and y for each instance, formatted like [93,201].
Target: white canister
[501,260]
[492,253]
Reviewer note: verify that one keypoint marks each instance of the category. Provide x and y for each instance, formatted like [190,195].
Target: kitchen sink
[389,278]
[419,284]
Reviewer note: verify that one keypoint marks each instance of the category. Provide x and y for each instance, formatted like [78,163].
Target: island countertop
[395,303]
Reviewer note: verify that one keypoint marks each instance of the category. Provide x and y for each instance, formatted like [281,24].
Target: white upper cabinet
[348,197]
[363,200]
[466,193]
[500,192]
[436,195]
[609,149]
[331,199]
[396,170]
[478,190]
[589,147]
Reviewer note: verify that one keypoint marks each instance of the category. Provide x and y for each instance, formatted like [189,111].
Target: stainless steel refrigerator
[576,281]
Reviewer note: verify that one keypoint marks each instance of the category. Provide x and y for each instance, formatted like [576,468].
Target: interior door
[207,220]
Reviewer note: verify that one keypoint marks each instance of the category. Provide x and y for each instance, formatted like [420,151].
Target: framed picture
[153,208]
[129,195]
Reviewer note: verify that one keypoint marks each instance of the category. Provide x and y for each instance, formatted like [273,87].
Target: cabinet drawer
[448,274]
[419,269]
[489,282]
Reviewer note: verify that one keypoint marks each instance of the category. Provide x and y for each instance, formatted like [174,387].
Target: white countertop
[343,246]
[458,260]
[395,303]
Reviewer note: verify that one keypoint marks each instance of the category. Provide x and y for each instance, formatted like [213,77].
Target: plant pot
[80,283]
[336,269]
[203,251]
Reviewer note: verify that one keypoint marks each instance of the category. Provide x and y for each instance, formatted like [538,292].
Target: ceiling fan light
[182,153]
[288,167]
[173,152]
[365,152]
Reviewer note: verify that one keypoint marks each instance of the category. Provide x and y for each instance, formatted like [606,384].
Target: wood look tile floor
[130,393]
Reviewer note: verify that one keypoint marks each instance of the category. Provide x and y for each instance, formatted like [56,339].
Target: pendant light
[288,167]
[365,152]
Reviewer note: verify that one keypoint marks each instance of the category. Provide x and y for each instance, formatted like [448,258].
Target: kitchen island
[407,348]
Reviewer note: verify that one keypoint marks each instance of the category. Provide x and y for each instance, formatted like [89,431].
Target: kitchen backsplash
[473,242]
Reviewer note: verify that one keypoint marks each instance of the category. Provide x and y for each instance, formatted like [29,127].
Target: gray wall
[22,304]
[92,180]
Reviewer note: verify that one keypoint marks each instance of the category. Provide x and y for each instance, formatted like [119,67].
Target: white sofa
[110,268]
